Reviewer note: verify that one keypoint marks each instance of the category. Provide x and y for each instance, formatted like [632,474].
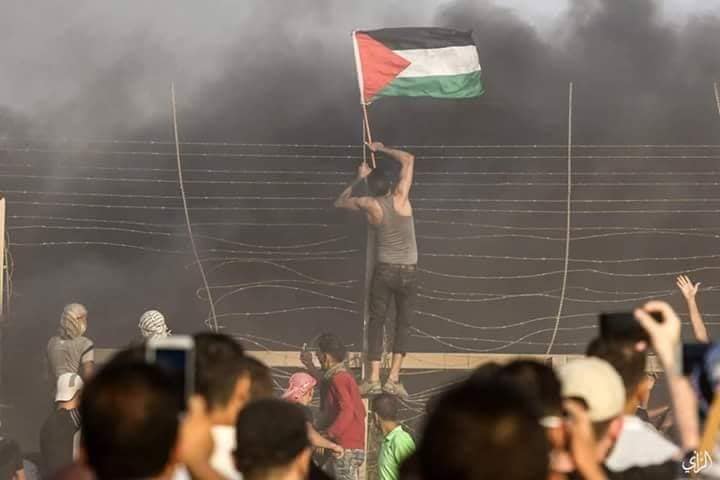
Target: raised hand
[364,170]
[686,286]
[306,358]
[665,334]
[689,291]
[375,146]
[195,441]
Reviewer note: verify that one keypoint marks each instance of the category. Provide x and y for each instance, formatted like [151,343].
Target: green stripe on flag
[465,85]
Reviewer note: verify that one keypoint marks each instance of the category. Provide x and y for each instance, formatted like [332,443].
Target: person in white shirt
[638,444]
[222,379]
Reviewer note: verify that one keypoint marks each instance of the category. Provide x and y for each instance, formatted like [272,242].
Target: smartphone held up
[175,355]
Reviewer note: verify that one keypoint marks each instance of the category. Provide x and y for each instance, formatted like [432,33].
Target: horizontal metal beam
[413,360]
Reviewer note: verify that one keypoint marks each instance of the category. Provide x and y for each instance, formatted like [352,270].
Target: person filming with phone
[595,393]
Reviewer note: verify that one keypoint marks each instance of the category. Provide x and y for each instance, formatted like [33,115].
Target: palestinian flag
[417,62]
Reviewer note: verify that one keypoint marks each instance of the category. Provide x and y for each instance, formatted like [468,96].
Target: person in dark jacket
[59,433]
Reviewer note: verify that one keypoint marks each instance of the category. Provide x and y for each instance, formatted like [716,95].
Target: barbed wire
[301,156]
[303,278]
[341,145]
[330,198]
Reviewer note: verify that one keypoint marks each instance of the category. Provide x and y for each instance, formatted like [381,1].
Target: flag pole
[367,137]
[367,131]
[369,252]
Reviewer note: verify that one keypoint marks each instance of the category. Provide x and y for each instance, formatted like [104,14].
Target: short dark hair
[261,384]
[386,406]
[218,366]
[130,414]
[539,382]
[134,353]
[485,371]
[624,357]
[333,346]
[270,433]
[484,429]
[378,183]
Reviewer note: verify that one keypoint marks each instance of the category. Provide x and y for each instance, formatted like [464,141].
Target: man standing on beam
[390,214]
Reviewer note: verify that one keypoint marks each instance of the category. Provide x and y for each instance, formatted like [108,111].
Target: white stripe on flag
[426,62]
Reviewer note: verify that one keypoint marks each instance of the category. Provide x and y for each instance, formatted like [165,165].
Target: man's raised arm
[689,291]
[407,161]
[346,200]
[666,340]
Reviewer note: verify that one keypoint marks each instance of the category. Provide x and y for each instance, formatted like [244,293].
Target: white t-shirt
[639,445]
[222,457]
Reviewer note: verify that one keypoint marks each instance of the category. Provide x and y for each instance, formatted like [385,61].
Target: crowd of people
[527,419]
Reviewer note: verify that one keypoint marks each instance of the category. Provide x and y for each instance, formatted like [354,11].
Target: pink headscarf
[300,383]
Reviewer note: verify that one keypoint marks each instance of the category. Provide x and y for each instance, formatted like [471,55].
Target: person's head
[261,383]
[483,429]
[378,183]
[385,412]
[130,414]
[485,371]
[301,387]
[272,441]
[73,321]
[68,389]
[221,377]
[540,382]
[331,350]
[595,384]
[629,359]
[152,325]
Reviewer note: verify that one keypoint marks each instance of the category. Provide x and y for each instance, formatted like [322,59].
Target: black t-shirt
[56,440]
[10,459]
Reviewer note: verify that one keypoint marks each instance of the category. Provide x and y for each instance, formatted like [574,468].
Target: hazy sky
[56,56]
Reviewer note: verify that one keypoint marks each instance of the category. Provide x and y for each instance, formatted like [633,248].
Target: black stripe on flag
[420,37]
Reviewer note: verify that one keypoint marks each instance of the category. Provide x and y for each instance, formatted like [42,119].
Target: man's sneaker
[368,388]
[395,388]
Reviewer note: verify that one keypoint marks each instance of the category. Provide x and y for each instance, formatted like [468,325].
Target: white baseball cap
[68,385]
[597,383]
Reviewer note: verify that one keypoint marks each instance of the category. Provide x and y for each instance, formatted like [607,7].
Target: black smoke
[282,72]
[281,75]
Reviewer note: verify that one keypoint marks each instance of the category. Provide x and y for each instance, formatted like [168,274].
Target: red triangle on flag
[379,65]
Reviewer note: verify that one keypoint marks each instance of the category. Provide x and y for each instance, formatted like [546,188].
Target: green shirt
[396,447]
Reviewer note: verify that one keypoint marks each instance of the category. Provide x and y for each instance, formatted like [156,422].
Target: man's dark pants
[391,280]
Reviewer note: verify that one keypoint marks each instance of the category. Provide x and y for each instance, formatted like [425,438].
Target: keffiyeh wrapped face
[299,385]
[152,325]
[73,321]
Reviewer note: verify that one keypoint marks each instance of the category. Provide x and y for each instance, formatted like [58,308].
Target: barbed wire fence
[283,265]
